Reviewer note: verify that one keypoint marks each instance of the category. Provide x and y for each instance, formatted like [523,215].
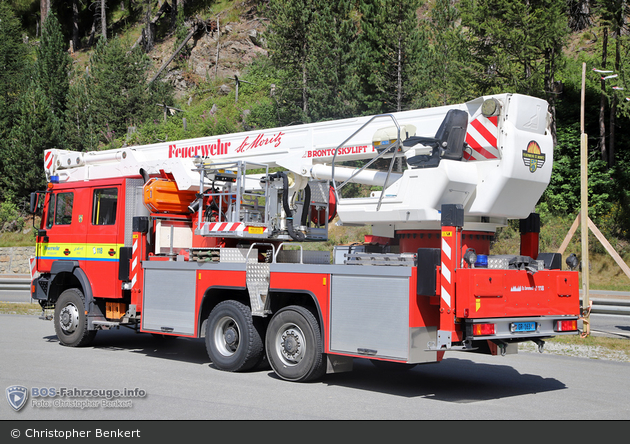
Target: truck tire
[232,340]
[70,319]
[294,345]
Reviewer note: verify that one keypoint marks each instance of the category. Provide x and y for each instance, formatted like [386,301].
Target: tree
[14,71]
[103,19]
[332,62]
[390,44]
[445,70]
[80,129]
[117,95]
[76,42]
[53,65]
[36,129]
[613,15]
[290,46]
[510,40]
[579,14]
[100,17]
[13,60]
[517,45]
[44,6]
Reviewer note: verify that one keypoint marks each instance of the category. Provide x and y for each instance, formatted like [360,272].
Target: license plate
[255,230]
[518,327]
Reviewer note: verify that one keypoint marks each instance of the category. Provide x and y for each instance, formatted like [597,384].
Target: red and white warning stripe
[134,262]
[31,264]
[482,138]
[48,160]
[224,227]
[446,272]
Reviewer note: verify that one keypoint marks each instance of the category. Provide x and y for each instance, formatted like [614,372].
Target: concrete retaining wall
[14,260]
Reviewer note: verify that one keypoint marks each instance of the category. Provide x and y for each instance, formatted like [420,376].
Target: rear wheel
[70,319]
[294,345]
[232,339]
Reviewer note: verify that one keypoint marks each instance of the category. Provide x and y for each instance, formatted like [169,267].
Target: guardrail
[16,284]
[611,306]
[619,306]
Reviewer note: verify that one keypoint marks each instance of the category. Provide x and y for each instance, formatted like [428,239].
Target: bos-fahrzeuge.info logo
[17,396]
[533,157]
[65,397]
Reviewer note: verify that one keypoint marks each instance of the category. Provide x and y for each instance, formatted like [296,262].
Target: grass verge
[591,347]
[20,308]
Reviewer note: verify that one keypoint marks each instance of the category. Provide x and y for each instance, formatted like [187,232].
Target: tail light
[483,329]
[566,325]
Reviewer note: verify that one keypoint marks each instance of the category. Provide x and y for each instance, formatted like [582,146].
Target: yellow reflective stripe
[101,251]
[58,250]
[91,251]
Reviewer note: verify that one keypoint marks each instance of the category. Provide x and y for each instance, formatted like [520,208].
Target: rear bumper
[545,327]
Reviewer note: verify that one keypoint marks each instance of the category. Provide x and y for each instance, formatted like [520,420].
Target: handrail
[273,250]
[282,245]
[381,154]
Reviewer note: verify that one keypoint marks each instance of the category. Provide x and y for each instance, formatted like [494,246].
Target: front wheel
[70,319]
[294,345]
[232,339]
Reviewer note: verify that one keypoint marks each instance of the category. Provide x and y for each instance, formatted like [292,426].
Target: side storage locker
[169,299]
[370,315]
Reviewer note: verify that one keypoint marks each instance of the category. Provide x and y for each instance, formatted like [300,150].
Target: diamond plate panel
[238,255]
[308,257]
[319,191]
[258,285]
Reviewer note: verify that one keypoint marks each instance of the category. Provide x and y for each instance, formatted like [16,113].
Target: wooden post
[584,215]
[567,238]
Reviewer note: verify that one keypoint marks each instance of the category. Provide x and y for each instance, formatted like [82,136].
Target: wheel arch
[213,296]
[280,299]
[68,274]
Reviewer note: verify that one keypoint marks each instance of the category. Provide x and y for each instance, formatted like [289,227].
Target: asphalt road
[179,383]
[612,326]
[14,296]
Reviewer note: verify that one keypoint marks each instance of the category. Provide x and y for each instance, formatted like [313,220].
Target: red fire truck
[209,238]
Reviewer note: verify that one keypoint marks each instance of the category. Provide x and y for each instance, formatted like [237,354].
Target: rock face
[15,260]
[219,52]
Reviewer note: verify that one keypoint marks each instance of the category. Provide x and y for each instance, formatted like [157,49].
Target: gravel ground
[581,351]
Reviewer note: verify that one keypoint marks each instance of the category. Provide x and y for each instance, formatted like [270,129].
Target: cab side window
[63,215]
[50,217]
[104,206]
[60,209]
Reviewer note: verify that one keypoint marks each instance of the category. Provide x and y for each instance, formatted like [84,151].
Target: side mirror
[37,202]
[34,199]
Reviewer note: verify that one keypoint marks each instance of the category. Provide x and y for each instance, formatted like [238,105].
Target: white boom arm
[505,167]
